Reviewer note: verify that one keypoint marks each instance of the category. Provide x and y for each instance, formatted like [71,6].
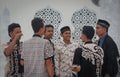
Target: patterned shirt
[63,59]
[90,58]
[53,60]
[13,67]
[35,51]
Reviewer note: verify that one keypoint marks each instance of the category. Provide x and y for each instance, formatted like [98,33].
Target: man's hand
[22,62]
[49,67]
[75,68]
[10,48]
[17,36]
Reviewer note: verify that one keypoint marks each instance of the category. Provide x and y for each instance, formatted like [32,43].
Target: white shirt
[64,58]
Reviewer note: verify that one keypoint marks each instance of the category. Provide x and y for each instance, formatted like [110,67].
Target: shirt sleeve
[77,57]
[48,51]
[4,46]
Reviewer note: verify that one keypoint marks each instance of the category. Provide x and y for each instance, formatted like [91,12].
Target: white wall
[23,11]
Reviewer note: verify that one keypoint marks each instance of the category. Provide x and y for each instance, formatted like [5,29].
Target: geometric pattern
[53,17]
[80,18]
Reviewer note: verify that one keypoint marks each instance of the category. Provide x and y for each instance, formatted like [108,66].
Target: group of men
[39,57]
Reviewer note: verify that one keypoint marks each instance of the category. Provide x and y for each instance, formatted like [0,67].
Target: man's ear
[105,29]
[11,34]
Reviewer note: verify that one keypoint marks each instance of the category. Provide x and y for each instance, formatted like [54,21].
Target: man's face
[66,35]
[100,30]
[48,32]
[83,37]
[15,32]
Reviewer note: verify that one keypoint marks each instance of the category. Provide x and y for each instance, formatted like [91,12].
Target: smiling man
[64,54]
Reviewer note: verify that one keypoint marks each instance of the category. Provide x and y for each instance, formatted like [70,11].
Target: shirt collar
[88,42]
[65,44]
[101,40]
[36,35]
[48,40]
[103,37]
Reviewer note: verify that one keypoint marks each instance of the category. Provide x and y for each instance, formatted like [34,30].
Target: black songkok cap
[103,23]
[65,28]
[88,31]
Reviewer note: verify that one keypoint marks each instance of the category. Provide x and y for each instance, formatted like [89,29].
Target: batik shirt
[63,59]
[13,67]
[90,59]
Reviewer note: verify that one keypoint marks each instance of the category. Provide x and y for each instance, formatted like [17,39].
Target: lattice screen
[80,18]
[52,17]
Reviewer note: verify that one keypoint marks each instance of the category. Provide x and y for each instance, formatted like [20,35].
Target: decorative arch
[53,17]
[80,18]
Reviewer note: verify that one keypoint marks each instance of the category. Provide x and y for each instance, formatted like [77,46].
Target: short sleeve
[77,56]
[48,51]
[4,46]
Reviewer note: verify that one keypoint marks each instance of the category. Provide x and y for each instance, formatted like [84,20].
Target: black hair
[37,23]
[49,26]
[88,31]
[12,26]
[65,28]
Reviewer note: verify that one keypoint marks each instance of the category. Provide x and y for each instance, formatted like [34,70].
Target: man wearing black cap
[110,67]
[89,58]
[64,54]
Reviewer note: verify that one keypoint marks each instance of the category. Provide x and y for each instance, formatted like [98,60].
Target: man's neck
[38,34]
[46,38]
[87,40]
[67,42]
